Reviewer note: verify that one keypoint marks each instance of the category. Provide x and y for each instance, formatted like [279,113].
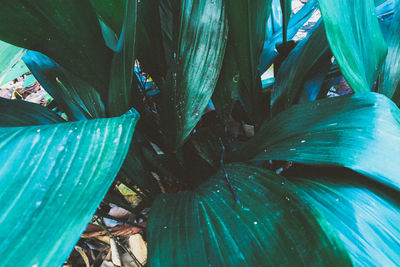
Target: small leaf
[355,39]
[53,178]
[76,98]
[9,56]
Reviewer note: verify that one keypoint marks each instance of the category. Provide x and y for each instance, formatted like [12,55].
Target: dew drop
[255,222]
[38,203]
[38,130]
[303,141]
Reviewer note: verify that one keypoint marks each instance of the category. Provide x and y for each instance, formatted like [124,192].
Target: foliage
[247,170]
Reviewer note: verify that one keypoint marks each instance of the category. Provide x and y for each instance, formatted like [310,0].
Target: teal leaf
[274,32]
[360,132]
[123,63]
[286,6]
[271,227]
[66,31]
[77,99]
[389,81]
[194,55]
[16,71]
[295,68]
[247,21]
[15,113]
[9,56]
[355,39]
[53,178]
[362,214]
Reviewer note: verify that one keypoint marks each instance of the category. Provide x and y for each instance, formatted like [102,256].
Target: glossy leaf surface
[274,34]
[15,113]
[362,214]
[121,77]
[194,53]
[355,39]
[66,31]
[76,98]
[247,20]
[295,68]
[53,178]
[389,83]
[360,132]
[9,56]
[270,227]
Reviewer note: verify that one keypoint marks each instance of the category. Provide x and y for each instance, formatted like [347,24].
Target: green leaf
[111,12]
[76,98]
[360,132]
[195,55]
[270,227]
[66,31]
[286,6]
[362,214]
[389,81]
[15,72]
[355,39]
[9,56]
[53,178]
[295,68]
[121,77]
[227,90]
[247,20]
[15,113]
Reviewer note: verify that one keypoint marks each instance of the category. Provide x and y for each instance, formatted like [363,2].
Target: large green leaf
[355,39]
[195,52]
[360,132]
[76,98]
[9,56]
[295,68]
[286,6]
[21,113]
[53,177]
[270,227]
[121,77]
[247,20]
[389,83]
[66,31]
[363,215]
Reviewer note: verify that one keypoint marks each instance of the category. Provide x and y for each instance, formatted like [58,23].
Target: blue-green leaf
[76,98]
[360,132]
[355,39]
[53,178]
[270,227]
[9,56]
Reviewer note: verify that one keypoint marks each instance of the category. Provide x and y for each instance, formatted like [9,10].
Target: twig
[228,181]
[118,242]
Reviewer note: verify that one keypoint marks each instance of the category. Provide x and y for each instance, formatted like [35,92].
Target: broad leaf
[295,68]
[270,227]
[76,98]
[66,31]
[389,83]
[362,214]
[247,20]
[16,71]
[355,39]
[360,132]
[121,77]
[9,56]
[15,113]
[53,178]
[194,54]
